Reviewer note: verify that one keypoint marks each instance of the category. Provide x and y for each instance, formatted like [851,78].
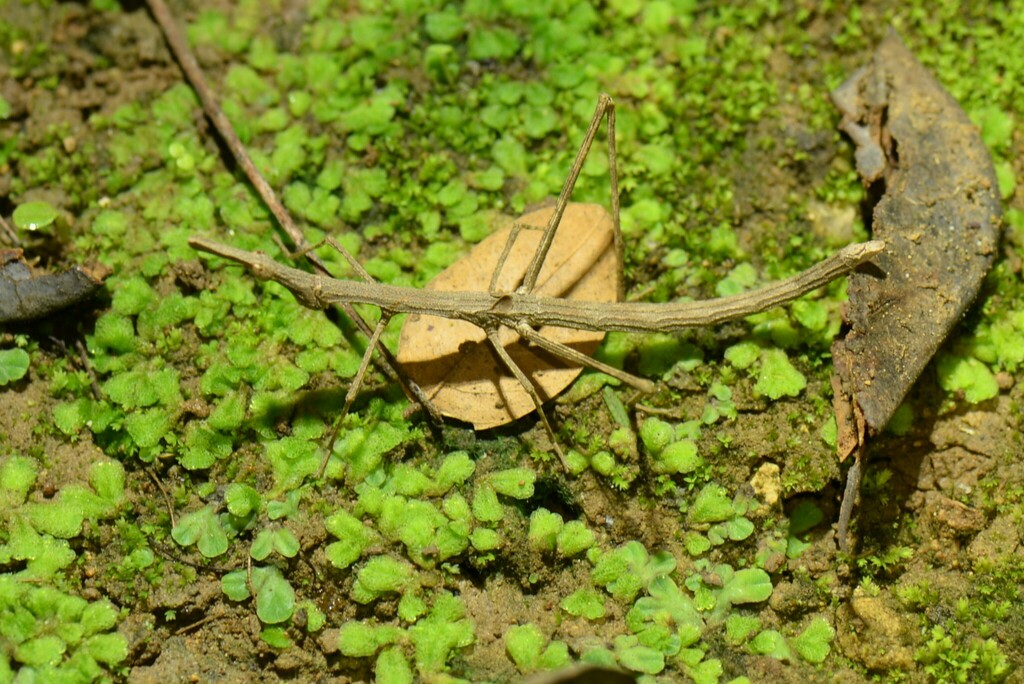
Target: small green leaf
[713,504]
[544,527]
[970,376]
[750,585]
[778,377]
[203,529]
[13,365]
[523,644]
[235,585]
[275,598]
[392,667]
[486,507]
[642,659]
[241,499]
[574,537]
[359,639]
[813,644]
[34,215]
[514,482]
[276,637]
[585,603]
[771,643]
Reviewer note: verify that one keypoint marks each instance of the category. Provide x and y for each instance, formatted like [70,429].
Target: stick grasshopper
[523,311]
[520,310]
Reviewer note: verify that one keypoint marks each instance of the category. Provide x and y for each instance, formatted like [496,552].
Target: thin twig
[194,74]
[167,497]
[6,229]
[83,355]
[853,478]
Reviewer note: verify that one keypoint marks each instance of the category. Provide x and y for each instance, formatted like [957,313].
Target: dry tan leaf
[452,361]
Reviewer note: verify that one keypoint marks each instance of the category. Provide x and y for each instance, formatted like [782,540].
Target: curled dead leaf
[940,219]
[452,361]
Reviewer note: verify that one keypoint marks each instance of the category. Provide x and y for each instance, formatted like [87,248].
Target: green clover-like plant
[13,365]
[203,529]
[530,650]
[666,619]
[716,588]
[628,569]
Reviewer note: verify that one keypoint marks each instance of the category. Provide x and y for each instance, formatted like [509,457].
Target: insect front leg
[605,105]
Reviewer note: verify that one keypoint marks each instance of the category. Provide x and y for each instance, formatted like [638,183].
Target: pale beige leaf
[451,360]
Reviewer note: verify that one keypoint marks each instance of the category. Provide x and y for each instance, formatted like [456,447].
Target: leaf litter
[940,217]
[451,359]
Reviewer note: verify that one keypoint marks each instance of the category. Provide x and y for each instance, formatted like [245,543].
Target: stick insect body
[525,312]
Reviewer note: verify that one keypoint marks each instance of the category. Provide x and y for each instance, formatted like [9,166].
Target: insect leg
[499,349]
[605,104]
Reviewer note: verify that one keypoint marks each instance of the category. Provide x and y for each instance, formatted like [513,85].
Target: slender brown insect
[523,311]
[520,310]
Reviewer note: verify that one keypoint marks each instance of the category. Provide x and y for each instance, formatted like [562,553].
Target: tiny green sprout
[678,458]
[392,667]
[805,516]
[739,627]
[381,575]
[274,538]
[315,618]
[275,637]
[574,538]
[17,476]
[440,633]
[525,645]
[966,375]
[585,603]
[696,543]
[516,483]
[722,587]
[484,539]
[14,365]
[778,376]
[407,481]
[656,435]
[456,468]
[359,639]
[626,570]
[902,420]
[242,500]
[544,529]
[814,642]
[34,216]
[634,656]
[712,505]
[411,606]
[486,507]
[362,448]
[275,598]
[666,619]
[202,528]
[743,355]
[770,642]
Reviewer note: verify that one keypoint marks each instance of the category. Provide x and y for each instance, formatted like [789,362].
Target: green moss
[778,377]
[966,375]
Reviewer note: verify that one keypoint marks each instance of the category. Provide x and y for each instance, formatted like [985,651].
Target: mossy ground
[407,130]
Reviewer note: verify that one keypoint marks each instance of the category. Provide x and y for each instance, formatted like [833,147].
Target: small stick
[6,229]
[853,478]
[83,354]
[194,74]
